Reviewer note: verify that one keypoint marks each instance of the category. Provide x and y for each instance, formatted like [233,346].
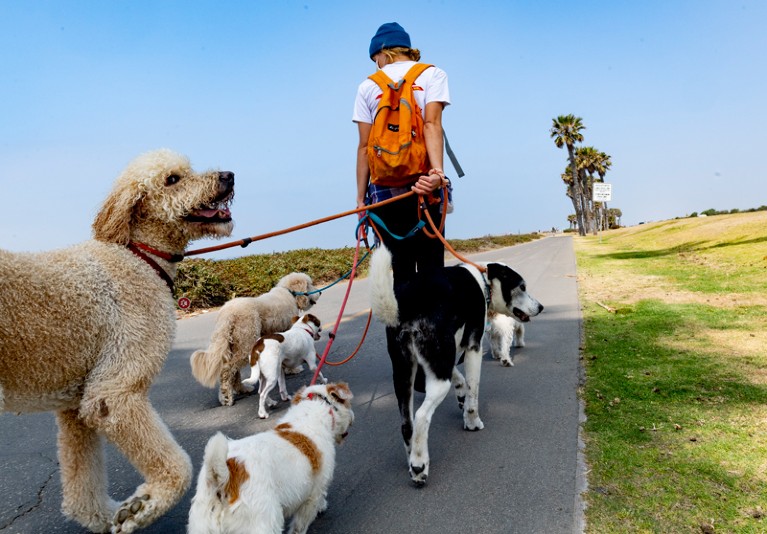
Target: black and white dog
[432,320]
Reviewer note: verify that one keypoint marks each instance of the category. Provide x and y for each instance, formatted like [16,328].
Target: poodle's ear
[302,301]
[301,285]
[113,222]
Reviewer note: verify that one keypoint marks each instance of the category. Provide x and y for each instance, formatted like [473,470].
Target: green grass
[675,390]
[210,283]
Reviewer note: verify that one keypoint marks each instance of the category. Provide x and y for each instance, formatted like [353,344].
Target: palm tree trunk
[577,192]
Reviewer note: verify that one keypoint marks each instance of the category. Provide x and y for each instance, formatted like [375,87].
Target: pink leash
[332,335]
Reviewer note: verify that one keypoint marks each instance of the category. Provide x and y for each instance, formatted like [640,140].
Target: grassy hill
[675,354]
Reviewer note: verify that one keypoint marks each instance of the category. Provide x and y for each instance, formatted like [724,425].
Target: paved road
[520,474]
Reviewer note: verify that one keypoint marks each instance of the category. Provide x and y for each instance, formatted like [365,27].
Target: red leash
[332,335]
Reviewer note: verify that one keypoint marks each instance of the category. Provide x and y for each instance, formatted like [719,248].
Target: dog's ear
[113,221]
[299,396]
[340,391]
[301,286]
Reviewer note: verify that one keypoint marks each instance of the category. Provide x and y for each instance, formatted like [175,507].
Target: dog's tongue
[211,213]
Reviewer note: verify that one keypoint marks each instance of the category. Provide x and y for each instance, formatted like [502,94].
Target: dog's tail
[382,298]
[208,364]
[216,469]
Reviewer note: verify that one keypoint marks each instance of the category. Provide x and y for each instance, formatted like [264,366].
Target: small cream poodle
[241,321]
[85,330]
[255,483]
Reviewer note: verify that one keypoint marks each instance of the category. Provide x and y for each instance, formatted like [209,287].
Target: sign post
[601,192]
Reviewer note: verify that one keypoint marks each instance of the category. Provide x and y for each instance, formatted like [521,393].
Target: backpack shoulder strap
[381,79]
[415,71]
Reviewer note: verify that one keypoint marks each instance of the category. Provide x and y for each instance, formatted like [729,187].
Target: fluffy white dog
[273,353]
[253,484]
[505,332]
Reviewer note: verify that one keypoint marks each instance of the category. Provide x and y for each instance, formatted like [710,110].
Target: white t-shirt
[431,86]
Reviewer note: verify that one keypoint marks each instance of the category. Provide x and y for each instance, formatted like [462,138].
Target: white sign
[603,192]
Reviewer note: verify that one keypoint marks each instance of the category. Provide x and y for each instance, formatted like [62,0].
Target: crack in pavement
[39,501]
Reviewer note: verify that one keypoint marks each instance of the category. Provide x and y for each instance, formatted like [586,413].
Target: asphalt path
[521,474]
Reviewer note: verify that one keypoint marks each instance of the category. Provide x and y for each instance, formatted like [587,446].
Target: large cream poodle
[85,330]
[240,323]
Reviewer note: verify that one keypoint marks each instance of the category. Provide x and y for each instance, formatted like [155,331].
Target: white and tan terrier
[273,354]
[253,484]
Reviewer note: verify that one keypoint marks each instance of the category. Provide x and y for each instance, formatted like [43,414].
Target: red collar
[167,256]
[134,247]
[308,331]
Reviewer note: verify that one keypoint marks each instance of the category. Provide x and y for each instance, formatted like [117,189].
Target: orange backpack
[396,147]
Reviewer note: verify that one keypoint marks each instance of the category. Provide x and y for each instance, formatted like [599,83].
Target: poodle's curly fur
[101,320]
[241,321]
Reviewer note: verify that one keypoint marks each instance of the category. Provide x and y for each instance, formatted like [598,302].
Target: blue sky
[672,90]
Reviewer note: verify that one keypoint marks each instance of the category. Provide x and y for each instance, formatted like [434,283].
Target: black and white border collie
[433,319]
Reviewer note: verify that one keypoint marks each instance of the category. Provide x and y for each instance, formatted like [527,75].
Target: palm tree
[586,159]
[567,178]
[566,131]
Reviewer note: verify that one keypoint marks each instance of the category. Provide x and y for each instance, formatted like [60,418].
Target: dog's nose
[226,177]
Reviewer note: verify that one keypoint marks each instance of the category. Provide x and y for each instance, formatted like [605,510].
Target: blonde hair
[411,53]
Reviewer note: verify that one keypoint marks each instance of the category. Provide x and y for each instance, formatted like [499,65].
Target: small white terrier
[505,332]
[253,484]
[272,354]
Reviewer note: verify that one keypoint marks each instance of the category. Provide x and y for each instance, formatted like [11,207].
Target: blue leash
[364,221]
[343,277]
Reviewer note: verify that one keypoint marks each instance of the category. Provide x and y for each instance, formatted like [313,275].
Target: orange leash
[248,240]
[450,249]
[359,345]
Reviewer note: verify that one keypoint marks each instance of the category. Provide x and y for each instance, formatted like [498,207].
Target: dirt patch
[633,288]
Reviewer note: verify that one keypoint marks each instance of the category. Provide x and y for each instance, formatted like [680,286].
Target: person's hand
[360,214]
[429,182]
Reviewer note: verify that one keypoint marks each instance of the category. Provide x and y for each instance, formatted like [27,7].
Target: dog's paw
[129,516]
[294,370]
[271,403]
[473,423]
[506,362]
[225,399]
[263,414]
[419,474]
[248,387]
[323,506]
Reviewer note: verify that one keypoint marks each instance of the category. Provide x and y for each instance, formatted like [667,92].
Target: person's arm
[363,170]
[433,137]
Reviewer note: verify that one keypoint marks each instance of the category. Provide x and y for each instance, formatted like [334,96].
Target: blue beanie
[389,35]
